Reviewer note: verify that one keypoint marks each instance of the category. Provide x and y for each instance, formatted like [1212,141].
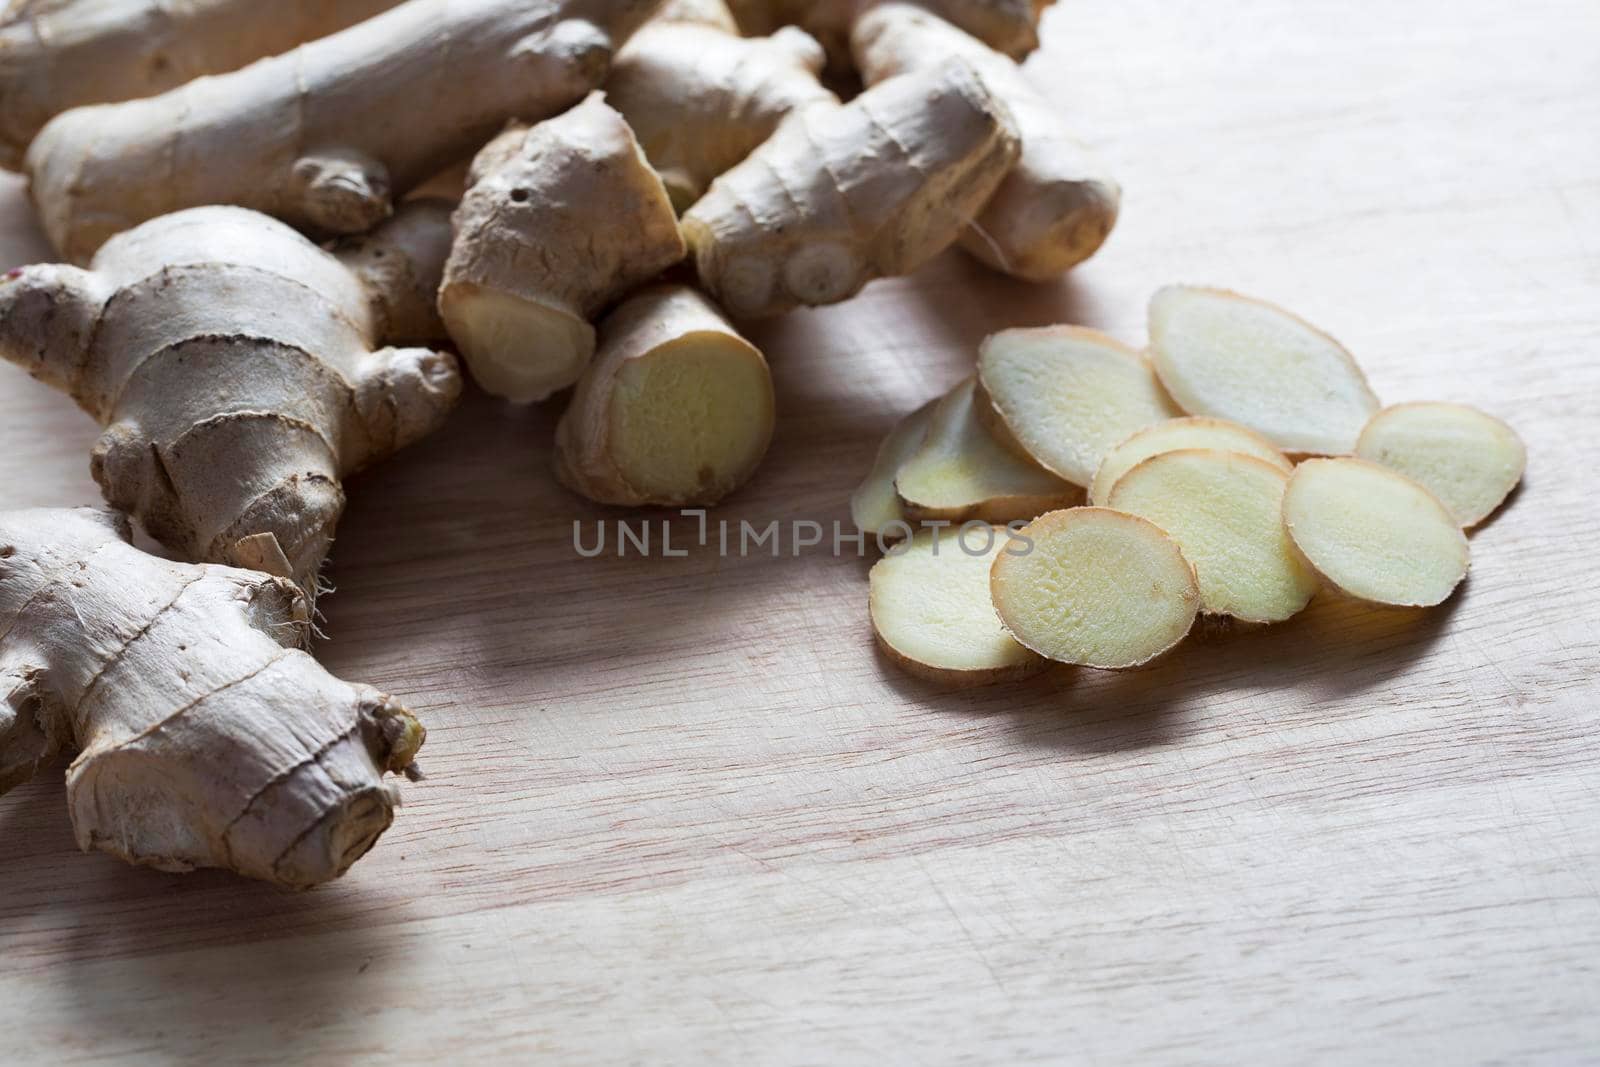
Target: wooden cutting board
[678,809]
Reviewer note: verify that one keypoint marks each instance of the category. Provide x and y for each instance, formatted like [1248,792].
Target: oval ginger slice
[1374,534]
[1068,394]
[1193,431]
[1231,357]
[930,608]
[1468,459]
[961,472]
[1095,587]
[1225,510]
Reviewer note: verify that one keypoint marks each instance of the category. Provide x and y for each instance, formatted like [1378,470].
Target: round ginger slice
[930,607]
[1193,431]
[1225,510]
[1469,460]
[1231,357]
[1374,534]
[875,506]
[1069,394]
[1095,587]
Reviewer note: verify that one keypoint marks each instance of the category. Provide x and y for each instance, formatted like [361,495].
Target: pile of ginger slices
[1080,501]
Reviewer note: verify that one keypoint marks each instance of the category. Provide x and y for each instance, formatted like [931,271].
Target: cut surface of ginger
[1231,357]
[1193,431]
[930,607]
[1095,587]
[1468,459]
[1068,395]
[875,506]
[961,472]
[691,420]
[516,348]
[1374,534]
[1225,510]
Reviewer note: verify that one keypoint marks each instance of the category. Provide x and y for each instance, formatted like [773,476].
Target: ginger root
[558,221]
[61,54]
[205,738]
[1057,205]
[237,370]
[701,98]
[841,195]
[1010,27]
[325,136]
[676,410]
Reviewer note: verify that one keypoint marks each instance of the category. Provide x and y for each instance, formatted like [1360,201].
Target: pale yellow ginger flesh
[1068,395]
[1225,510]
[240,372]
[930,607]
[843,194]
[1057,205]
[326,137]
[676,410]
[1193,431]
[1374,534]
[960,472]
[1469,460]
[557,222]
[1231,357]
[875,506]
[204,738]
[1095,587]
[701,98]
[61,54]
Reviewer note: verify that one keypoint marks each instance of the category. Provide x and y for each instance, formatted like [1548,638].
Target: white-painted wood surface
[679,810]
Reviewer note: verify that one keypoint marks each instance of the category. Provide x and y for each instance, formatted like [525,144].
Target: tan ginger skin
[205,738]
[687,449]
[1010,27]
[558,221]
[326,137]
[701,98]
[61,54]
[239,372]
[1057,205]
[841,195]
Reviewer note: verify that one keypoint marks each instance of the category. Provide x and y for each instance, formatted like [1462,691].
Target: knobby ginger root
[701,98]
[1228,356]
[1010,27]
[841,195]
[1068,395]
[1096,587]
[205,738]
[1374,534]
[61,54]
[323,137]
[930,607]
[1469,460]
[960,472]
[676,410]
[238,372]
[1225,510]
[1057,205]
[558,221]
[875,506]
[1193,431]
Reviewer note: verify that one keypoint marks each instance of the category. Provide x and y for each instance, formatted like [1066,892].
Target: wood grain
[679,809]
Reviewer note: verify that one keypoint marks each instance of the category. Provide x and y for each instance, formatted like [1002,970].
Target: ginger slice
[1469,460]
[1226,355]
[930,608]
[960,472]
[1069,394]
[875,506]
[1374,534]
[1095,587]
[1225,510]
[1193,431]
